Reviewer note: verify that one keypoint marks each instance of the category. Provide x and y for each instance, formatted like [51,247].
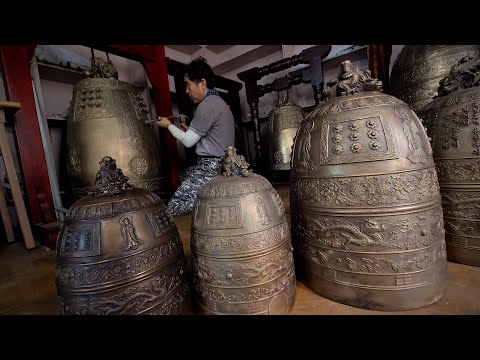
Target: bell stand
[312,56]
[9,108]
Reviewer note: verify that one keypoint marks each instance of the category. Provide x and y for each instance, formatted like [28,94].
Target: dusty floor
[27,283]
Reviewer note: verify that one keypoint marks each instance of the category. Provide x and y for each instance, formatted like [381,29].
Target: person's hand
[184,126]
[163,122]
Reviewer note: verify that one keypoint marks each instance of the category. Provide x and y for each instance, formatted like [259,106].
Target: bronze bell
[453,124]
[119,252]
[282,127]
[107,116]
[240,241]
[418,69]
[366,215]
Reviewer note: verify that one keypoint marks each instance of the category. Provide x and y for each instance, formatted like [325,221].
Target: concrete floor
[27,283]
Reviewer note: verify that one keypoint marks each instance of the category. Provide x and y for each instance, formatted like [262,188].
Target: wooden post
[14,62]
[157,73]
[7,223]
[379,63]
[12,177]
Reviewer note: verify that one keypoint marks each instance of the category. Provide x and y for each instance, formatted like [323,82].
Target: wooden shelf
[59,74]
[56,122]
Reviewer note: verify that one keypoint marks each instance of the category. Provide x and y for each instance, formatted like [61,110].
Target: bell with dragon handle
[119,252]
[453,120]
[367,225]
[418,69]
[241,246]
[107,116]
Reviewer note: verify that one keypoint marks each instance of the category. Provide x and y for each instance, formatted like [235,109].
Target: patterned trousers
[191,180]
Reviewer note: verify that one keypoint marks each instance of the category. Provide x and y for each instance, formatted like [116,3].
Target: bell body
[455,132]
[419,68]
[241,248]
[366,208]
[108,117]
[283,124]
[121,255]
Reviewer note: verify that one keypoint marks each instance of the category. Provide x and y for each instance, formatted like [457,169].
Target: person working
[211,130]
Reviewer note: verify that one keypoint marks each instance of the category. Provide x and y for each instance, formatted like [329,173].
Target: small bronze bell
[241,251]
[283,124]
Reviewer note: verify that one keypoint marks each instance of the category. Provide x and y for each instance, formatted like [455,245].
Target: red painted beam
[158,76]
[133,52]
[15,66]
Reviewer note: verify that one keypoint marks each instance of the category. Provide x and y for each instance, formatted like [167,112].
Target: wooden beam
[335,62]
[158,75]
[133,52]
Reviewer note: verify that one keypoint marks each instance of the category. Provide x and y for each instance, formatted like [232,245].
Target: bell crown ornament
[463,75]
[351,80]
[119,252]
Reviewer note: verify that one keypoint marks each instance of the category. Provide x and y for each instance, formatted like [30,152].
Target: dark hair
[198,69]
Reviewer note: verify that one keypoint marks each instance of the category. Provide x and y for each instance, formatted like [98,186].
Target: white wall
[57,97]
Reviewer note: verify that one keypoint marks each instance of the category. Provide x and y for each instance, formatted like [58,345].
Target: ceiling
[222,58]
[191,49]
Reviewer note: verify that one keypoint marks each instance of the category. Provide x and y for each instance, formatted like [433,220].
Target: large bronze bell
[241,250]
[366,214]
[107,116]
[453,122]
[418,69]
[119,252]
[282,127]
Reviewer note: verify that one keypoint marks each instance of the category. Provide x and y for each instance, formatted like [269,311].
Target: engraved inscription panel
[129,115]
[161,221]
[81,240]
[224,215]
[357,137]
